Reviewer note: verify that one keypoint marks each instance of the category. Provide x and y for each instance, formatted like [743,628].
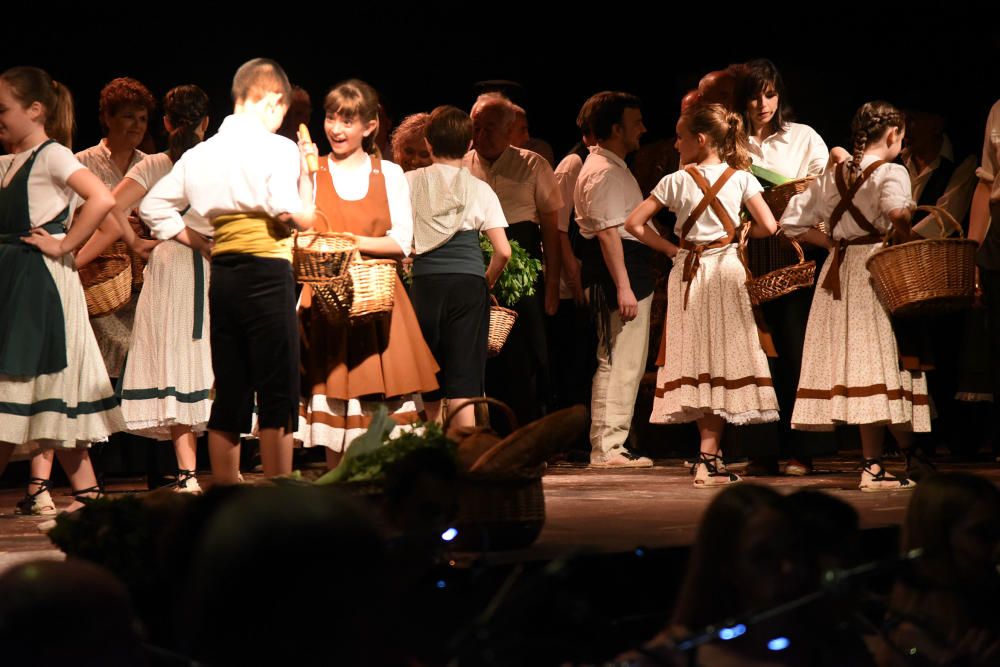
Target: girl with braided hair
[851,369]
[168,374]
[713,369]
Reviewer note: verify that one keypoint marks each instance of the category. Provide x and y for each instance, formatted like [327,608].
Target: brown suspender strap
[832,280]
[710,198]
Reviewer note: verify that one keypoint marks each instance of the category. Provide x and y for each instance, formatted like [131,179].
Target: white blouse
[149,172]
[887,189]
[98,160]
[679,193]
[795,152]
[352,185]
[48,191]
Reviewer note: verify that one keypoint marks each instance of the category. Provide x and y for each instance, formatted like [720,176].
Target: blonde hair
[32,84]
[724,130]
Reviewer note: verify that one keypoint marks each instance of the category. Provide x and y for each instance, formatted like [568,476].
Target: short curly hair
[124,91]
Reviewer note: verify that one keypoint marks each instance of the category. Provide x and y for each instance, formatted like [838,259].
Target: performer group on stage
[219,340]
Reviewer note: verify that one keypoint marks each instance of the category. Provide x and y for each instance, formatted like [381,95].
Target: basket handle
[940,214]
[511,418]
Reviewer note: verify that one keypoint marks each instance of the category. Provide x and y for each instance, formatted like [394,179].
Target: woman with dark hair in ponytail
[349,369]
[852,371]
[168,375]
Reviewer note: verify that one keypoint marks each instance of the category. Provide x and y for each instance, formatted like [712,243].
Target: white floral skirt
[712,362]
[168,376]
[850,362]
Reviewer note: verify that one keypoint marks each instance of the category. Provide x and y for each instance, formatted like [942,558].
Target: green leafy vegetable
[519,276]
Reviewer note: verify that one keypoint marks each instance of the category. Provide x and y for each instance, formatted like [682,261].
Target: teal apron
[32,326]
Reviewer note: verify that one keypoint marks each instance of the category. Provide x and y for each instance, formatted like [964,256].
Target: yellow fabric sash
[252,234]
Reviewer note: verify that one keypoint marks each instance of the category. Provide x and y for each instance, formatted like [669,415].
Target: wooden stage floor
[599,511]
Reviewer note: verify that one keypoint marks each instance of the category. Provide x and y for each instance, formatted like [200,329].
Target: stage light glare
[778,644]
[733,632]
[442,583]
[640,552]
[449,535]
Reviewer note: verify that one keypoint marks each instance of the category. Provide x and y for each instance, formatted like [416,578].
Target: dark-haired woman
[168,376]
[451,207]
[349,369]
[781,150]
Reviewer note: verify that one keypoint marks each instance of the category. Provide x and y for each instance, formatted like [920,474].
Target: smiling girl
[350,368]
[55,392]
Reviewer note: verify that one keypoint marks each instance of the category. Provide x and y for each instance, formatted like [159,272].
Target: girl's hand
[48,244]
[202,244]
[143,247]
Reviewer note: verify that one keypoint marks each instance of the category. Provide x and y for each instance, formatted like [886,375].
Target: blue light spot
[449,535]
[441,583]
[733,632]
[778,644]
[640,552]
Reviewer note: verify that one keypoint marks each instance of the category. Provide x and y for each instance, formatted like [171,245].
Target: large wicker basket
[780,281]
[107,284]
[322,256]
[777,197]
[929,276]
[501,322]
[499,512]
[374,283]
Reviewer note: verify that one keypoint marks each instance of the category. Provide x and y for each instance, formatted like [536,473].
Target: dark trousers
[990,281]
[572,354]
[255,342]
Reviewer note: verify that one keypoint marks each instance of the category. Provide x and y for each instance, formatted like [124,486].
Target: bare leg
[333,458]
[709,471]
[872,439]
[185,447]
[433,410]
[224,455]
[465,418]
[41,467]
[276,451]
[6,450]
[903,437]
[79,469]
[710,428]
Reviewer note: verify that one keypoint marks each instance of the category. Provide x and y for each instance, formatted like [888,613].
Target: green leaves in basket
[767,177]
[372,464]
[372,439]
[519,276]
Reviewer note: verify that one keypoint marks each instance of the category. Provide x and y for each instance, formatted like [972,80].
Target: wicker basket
[501,322]
[778,282]
[333,299]
[322,256]
[775,252]
[498,512]
[777,197]
[374,282]
[107,284]
[929,276]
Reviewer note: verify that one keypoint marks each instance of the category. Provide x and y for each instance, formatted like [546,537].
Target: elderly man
[530,197]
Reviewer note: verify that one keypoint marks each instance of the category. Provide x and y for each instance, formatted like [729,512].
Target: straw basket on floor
[373,282]
[775,252]
[322,256]
[501,322]
[928,276]
[107,284]
[780,281]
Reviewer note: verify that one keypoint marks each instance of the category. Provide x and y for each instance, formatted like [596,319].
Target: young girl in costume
[56,396]
[713,368]
[350,368]
[851,369]
[168,375]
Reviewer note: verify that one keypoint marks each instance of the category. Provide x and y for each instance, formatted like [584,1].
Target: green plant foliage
[519,276]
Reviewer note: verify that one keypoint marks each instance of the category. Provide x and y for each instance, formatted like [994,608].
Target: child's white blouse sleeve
[667,191]
[400,207]
[895,191]
[61,164]
[806,209]
[751,186]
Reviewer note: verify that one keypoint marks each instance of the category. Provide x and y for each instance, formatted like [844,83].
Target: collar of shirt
[105,153]
[609,156]
[488,166]
[775,137]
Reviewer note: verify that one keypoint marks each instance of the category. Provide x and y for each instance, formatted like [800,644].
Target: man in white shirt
[252,184]
[530,198]
[617,274]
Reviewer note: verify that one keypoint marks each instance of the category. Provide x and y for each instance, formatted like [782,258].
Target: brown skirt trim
[705,378]
[864,392]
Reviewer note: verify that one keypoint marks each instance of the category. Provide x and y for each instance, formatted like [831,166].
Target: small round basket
[322,256]
[374,282]
[501,322]
[780,281]
[107,284]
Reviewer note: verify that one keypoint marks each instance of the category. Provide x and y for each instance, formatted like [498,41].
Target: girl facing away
[852,372]
[713,369]
[57,398]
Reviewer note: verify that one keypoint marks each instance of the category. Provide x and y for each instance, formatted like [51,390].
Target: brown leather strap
[710,198]
[693,260]
[832,280]
[847,195]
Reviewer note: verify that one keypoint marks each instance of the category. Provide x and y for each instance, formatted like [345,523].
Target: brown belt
[832,280]
[693,260]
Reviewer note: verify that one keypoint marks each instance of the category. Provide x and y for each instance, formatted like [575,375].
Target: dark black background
[942,55]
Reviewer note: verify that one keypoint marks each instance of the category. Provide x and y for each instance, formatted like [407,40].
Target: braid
[870,124]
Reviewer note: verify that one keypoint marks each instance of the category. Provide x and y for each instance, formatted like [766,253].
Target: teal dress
[54,389]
